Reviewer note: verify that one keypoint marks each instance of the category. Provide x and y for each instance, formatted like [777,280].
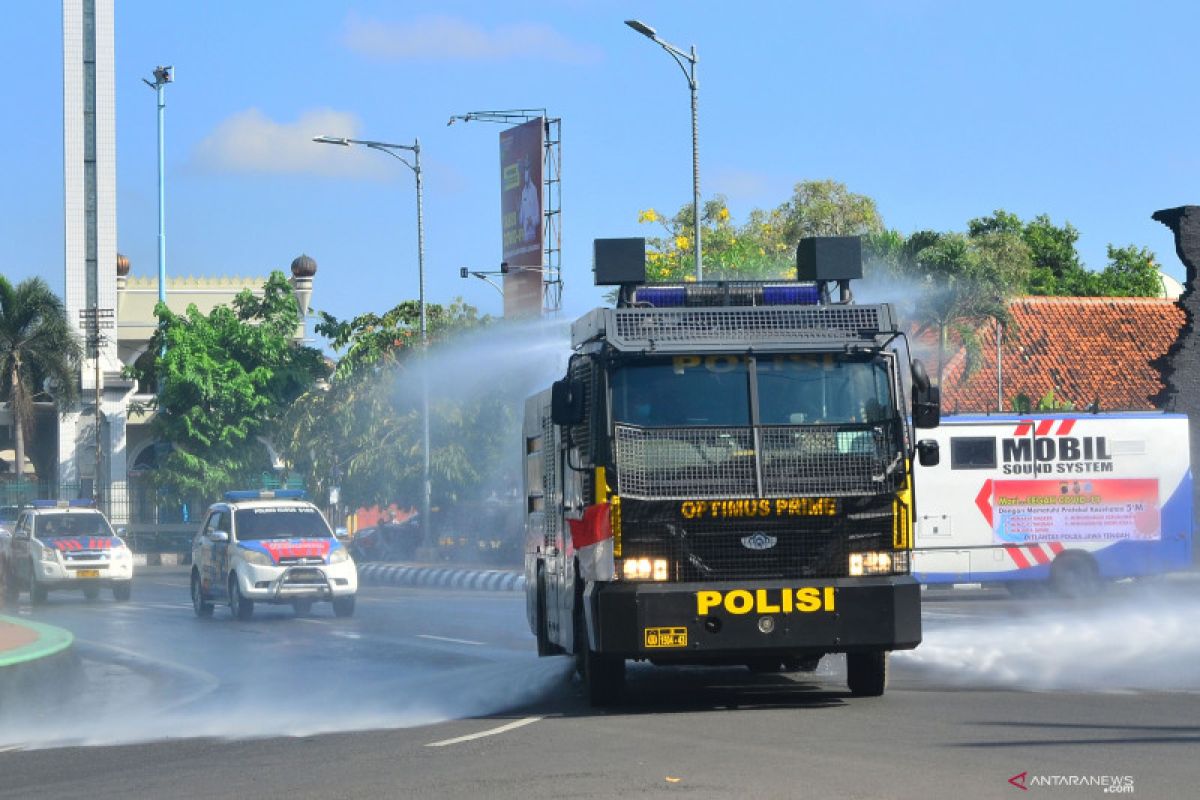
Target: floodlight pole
[689,72]
[415,165]
[162,76]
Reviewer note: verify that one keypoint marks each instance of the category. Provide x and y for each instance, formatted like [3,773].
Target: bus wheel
[867,673]
[1075,575]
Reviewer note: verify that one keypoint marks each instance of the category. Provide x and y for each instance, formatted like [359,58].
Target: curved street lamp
[689,72]
[394,151]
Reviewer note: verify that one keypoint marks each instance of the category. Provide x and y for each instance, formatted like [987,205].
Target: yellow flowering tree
[762,248]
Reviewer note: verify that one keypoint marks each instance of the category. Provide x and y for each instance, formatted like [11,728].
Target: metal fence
[763,461]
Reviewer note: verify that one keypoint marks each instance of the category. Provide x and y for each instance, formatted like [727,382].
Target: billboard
[521,218]
[1102,509]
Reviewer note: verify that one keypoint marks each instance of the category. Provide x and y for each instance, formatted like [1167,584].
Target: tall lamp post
[394,151]
[162,76]
[689,72]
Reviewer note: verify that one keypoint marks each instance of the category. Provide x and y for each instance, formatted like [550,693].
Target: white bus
[1069,499]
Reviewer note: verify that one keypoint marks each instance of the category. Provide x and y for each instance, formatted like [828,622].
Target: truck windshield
[715,390]
[273,522]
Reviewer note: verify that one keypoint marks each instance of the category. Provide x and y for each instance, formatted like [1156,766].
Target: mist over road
[429,693]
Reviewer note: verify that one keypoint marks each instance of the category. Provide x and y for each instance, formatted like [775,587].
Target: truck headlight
[257,557]
[339,555]
[644,569]
[870,563]
[49,554]
[121,553]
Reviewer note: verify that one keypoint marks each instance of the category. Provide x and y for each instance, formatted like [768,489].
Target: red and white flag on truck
[592,539]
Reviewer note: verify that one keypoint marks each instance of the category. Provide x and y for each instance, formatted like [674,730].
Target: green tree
[363,428]
[1131,272]
[965,281]
[38,349]
[225,379]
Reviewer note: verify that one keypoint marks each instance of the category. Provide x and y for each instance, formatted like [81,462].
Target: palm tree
[38,348]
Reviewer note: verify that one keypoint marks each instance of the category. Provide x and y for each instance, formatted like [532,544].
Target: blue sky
[940,111]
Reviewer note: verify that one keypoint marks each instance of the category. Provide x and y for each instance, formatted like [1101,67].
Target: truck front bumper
[694,622]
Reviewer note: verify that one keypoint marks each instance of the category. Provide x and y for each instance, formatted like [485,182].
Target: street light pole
[162,76]
[415,165]
[689,72]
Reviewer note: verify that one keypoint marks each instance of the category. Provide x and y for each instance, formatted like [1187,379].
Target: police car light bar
[266,494]
[729,294]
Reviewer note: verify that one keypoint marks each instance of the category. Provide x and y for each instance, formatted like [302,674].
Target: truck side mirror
[929,453]
[927,406]
[566,402]
[218,536]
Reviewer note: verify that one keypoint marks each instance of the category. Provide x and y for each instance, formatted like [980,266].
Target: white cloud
[447,38]
[251,142]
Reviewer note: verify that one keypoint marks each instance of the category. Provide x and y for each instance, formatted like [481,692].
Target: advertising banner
[521,219]
[521,193]
[1104,510]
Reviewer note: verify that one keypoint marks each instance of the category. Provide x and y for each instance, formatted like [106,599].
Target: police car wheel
[867,673]
[343,606]
[91,592]
[239,606]
[37,593]
[301,607]
[122,591]
[12,592]
[199,604]
[1075,575]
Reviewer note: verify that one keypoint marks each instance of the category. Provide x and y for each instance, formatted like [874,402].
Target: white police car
[269,547]
[58,545]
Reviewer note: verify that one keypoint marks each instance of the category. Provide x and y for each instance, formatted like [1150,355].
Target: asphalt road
[438,694]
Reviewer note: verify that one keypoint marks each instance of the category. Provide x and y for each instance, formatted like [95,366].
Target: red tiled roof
[1084,348]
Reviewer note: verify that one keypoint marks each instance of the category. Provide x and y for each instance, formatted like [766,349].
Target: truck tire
[343,606]
[122,591]
[867,673]
[603,674]
[1075,575]
[544,646]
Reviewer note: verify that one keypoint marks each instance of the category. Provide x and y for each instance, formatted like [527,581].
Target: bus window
[972,452]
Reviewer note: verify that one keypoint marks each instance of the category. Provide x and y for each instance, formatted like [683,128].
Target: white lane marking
[312,621]
[490,732]
[447,639]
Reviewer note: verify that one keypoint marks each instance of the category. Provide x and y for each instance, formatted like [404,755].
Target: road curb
[33,675]
[489,580]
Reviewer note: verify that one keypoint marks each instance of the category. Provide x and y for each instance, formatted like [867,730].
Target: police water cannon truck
[724,476]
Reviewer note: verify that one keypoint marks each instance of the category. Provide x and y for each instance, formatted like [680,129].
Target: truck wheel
[603,675]
[867,673]
[122,591]
[544,646]
[202,607]
[239,606]
[343,606]
[37,592]
[91,592]
[1075,575]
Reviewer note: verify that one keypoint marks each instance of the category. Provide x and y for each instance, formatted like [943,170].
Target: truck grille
[716,548]
[764,461]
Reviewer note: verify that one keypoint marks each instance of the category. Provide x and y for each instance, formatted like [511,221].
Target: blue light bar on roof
[794,295]
[662,296]
[83,502]
[266,494]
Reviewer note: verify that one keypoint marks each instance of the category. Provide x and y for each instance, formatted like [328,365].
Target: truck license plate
[666,637]
[88,573]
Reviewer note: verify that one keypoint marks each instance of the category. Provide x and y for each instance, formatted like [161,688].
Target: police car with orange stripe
[269,547]
[58,545]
